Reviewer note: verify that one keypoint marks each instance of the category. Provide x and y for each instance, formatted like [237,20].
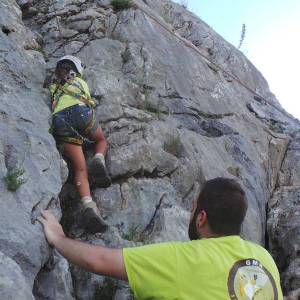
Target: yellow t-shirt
[64,100]
[228,268]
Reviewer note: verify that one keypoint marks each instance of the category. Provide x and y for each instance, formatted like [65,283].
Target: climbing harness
[76,132]
[82,96]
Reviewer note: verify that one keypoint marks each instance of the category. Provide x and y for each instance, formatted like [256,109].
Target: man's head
[220,209]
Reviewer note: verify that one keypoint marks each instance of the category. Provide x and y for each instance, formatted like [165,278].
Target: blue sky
[272,40]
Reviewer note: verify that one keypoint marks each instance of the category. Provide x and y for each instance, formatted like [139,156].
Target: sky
[272,39]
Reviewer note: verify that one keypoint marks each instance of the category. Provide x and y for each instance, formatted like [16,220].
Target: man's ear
[201,219]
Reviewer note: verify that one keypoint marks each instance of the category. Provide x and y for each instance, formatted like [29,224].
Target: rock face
[284,213]
[173,119]
[26,147]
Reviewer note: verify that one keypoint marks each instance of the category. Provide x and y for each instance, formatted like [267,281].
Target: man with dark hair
[216,264]
[223,201]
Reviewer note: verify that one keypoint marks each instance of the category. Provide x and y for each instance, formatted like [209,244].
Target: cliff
[178,104]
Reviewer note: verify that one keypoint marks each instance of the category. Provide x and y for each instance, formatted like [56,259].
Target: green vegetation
[156,109]
[173,145]
[213,116]
[151,107]
[235,171]
[132,234]
[242,37]
[276,126]
[167,13]
[213,67]
[120,4]
[228,145]
[42,52]
[13,179]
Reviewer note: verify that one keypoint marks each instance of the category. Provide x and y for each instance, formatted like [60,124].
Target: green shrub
[153,108]
[166,13]
[42,52]
[276,126]
[13,179]
[132,234]
[173,145]
[242,37]
[235,171]
[120,4]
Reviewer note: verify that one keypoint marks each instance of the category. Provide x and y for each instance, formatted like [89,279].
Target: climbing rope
[187,43]
[73,129]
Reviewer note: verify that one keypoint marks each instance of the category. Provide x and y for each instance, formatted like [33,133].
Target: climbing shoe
[92,219]
[99,171]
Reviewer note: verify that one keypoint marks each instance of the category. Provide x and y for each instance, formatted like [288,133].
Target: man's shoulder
[258,252]
[256,246]
[168,248]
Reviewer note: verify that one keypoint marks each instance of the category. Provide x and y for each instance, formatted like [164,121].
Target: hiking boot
[99,171]
[92,218]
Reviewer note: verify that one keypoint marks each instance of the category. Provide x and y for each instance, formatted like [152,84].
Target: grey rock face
[283,223]
[289,173]
[13,284]
[172,119]
[122,294]
[91,286]
[139,201]
[294,295]
[23,3]
[27,147]
[54,281]
[163,228]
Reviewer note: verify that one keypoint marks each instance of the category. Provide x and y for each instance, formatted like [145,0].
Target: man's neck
[209,234]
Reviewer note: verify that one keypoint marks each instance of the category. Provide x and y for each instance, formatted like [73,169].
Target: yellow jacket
[71,93]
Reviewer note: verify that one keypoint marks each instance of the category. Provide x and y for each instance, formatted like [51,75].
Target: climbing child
[73,121]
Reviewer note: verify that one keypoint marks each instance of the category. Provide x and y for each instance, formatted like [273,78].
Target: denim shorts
[73,124]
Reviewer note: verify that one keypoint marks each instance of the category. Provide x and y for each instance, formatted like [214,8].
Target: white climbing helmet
[76,61]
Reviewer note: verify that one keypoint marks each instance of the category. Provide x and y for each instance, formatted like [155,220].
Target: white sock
[86,199]
[101,157]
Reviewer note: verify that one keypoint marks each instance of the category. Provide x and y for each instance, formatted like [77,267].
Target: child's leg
[75,153]
[100,142]
[98,166]
[90,211]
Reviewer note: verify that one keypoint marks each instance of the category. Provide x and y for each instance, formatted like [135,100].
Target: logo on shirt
[249,280]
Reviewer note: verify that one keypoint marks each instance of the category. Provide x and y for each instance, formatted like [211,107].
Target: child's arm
[54,102]
[88,99]
[53,89]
